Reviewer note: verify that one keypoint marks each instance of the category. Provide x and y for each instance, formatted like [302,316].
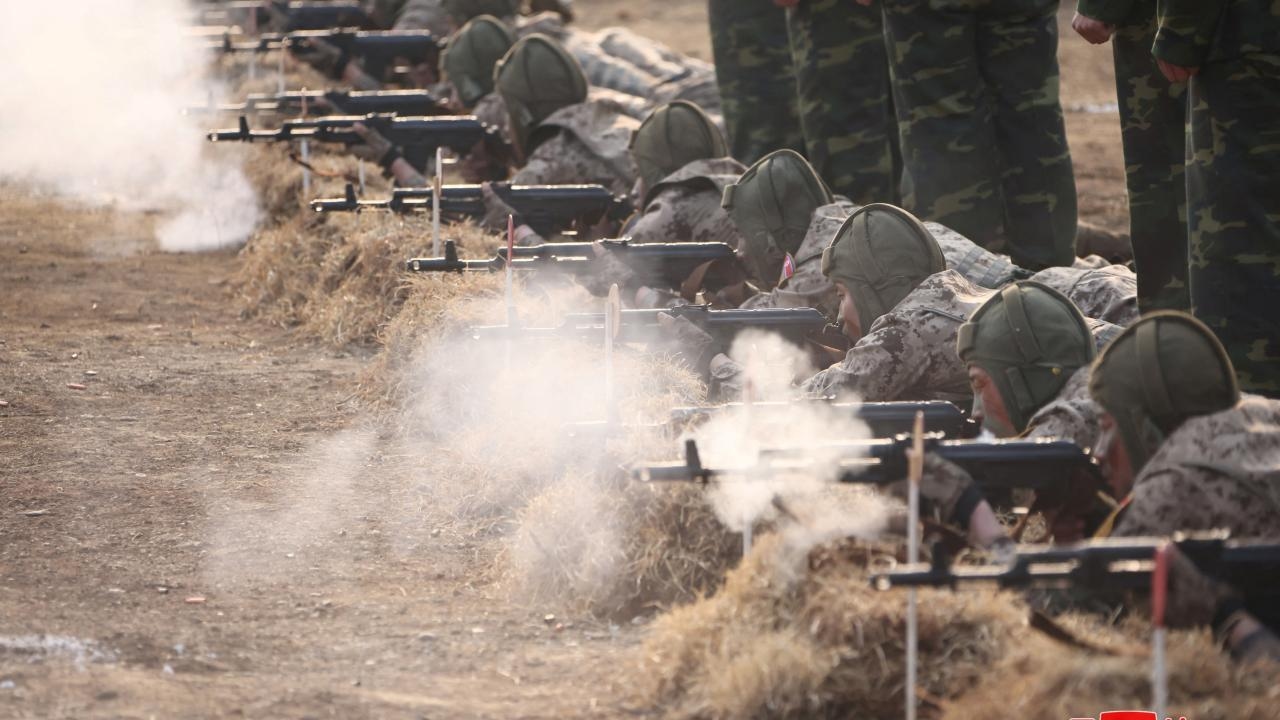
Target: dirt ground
[153,448]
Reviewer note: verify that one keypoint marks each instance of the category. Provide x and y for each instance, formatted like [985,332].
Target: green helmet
[472,52]
[771,205]
[881,253]
[1160,371]
[673,136]
[464,10]
[536,78]
[1030,339]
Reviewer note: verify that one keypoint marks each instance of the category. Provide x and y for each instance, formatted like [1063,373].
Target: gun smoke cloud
[93,94]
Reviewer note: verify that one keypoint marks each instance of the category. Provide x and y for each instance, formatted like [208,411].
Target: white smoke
[93,96]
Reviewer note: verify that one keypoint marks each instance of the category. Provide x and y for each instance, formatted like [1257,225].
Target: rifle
[337,102]
[654,264]
[296,15]
[545,208]
[376,50]
[1061,474]
[642,325]
[1252,568]
[418,137]
[886,419]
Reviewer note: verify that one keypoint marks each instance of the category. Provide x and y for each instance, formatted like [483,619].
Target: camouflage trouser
[1153,127]
[846,106]
[1233,213]
[753,69]
[984,147]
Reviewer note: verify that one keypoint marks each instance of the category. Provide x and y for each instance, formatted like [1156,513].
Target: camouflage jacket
[685,206]
[425,15]
[589,145]
[492,111]
[808,287]
[1195,32]
[1215,471]
[909,353]
[1109,293]
[1102,291]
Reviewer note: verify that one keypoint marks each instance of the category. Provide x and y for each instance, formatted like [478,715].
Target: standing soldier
[1152,126]
[753,69]
[1230,51]
[846,105]
[984,147]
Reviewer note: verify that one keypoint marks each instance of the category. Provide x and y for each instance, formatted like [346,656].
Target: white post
[915,468]
[435,204]
[1159,595]
[305,151]
[280,72]
[511,251]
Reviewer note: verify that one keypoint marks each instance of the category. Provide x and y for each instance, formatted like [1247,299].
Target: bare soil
[154,448]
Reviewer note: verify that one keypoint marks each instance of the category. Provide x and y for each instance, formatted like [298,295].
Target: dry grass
[1044,680]
[796,634]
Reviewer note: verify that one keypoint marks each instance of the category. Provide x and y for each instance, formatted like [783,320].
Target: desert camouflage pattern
[845,101]
[1109,293]
[808,287]
[979,265]
[589,147]
[984,147]
[685,206]
[620,60]
[1152,128]
[492,111]
[1073,415]
[753,71]
[425,15]
[1215,471]
[909,353]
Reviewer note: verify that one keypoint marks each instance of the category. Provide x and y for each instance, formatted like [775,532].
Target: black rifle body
[885,419]
[1251,567]
[418,137]
[339,102]
[795,324]
[654,264]
[547,209]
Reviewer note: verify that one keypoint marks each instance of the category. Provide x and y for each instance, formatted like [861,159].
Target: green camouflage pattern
[753,70]
[1233,212]
[984,146]
[846,104]
[1152,128]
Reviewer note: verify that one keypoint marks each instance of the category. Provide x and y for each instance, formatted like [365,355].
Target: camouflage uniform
[685,206]
[1215,471]
[984,148]
[753,69]
[1233,209]
[909,353]
[808,287]
[1152,125]
[425,15]
[619,60]
[589,146]
[845,103]
[1109,294]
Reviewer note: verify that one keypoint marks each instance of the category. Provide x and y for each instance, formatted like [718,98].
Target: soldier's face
[848,314]
[988,404]
[1113,456]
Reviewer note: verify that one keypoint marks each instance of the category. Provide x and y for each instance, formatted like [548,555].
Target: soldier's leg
[1153,128]
[1233,213]
[846,108]
[949,170]
[1019,60]
[753,69]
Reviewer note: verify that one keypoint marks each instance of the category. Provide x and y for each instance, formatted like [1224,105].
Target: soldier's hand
[1176,73]
[1193,596]
[683,336]
[943,483]
[496,210]
[1095,31]
[375,148]
[325,57]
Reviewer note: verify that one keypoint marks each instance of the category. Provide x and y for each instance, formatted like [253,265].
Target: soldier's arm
[880,367]
[1164,503]
[1184,31]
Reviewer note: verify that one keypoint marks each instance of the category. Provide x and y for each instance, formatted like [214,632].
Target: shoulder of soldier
[948,294]
[1071,415]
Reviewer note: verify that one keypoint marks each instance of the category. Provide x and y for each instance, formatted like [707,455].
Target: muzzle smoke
[92,97]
